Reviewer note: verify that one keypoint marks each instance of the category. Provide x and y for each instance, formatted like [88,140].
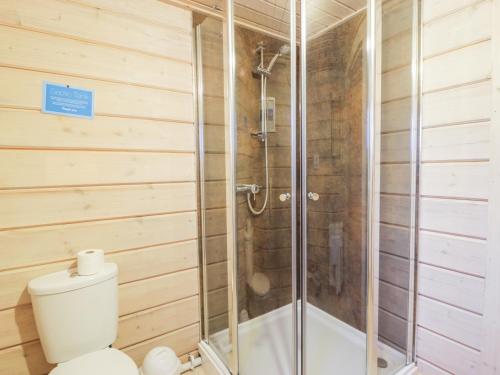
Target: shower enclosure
[308,126]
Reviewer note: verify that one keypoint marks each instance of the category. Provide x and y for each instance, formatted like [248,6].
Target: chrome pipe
[415,139]
[199,113]
[231,118]
[373,67]
[296,347]
[303,186]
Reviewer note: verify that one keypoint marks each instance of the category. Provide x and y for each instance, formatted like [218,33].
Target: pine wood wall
[123,182]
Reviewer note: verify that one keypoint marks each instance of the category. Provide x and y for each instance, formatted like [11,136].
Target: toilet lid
[102,362]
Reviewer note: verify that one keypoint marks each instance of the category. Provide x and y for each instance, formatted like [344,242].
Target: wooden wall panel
[123,181]
[22,91]
[45,52]
[85,22]
[455,175]
[395,173]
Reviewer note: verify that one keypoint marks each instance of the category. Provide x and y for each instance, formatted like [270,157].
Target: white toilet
[77,321]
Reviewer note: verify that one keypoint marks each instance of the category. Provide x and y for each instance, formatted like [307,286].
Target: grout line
[107,80]
[454,198]
[160,276]
[448,338]
[394,255]
[394,285]
[96,42]
[432,265]
[458,123]
[33,341]
[103,114]
[434,365]
[99,219]
[155,307]
[448,303]
[124,14]
[455,161]
[456,86]
[95,149]
[397,131]
[14,188]
[158,336]
[460,235]
[65,260]
[394,225]
[394,162]
[392,314]
[104,186]
[455,49]
[449,13]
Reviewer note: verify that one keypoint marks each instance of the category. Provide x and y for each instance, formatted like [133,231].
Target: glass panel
[336,187]
[263,173]
[397,203]
[212,144]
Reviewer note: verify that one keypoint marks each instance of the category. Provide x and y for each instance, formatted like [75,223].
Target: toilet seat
[107,361]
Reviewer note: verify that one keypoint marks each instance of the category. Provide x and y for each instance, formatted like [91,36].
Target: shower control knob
[313,196]
[285,197]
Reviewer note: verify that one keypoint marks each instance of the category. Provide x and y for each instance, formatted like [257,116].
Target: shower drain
[381,363]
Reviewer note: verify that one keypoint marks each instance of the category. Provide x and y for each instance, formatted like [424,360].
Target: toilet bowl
[107,361]
[77,321]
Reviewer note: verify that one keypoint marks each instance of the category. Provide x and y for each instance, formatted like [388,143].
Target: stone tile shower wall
[271,229]
[335,171]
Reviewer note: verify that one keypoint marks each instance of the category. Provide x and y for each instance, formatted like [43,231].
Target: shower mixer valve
[253,189]
[248,188]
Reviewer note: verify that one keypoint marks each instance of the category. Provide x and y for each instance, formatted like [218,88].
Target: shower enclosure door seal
[199,110]
[303,185]
[232,244]
[373,45]
[297,348]
[415,139]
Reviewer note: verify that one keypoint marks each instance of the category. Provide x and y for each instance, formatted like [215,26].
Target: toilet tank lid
[68,280]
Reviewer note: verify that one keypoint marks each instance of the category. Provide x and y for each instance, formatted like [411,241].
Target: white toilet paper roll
[90,261]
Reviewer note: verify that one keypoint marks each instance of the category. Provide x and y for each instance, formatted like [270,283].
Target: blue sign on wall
[67,101]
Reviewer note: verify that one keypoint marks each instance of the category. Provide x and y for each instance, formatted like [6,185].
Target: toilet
[77,321]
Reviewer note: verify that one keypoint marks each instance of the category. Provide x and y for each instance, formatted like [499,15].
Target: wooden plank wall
[273,16]
[123,182]
[395,172]
[457,111]
[215,174]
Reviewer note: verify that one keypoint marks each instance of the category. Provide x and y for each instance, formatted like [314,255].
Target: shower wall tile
[334,147]
[271,230]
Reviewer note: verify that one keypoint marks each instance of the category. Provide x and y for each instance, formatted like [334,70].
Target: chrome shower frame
[299,272]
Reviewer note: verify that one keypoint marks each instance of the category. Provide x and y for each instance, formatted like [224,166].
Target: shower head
[284,50]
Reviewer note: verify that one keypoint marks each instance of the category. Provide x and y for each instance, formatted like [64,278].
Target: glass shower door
[334,162]
[262,47]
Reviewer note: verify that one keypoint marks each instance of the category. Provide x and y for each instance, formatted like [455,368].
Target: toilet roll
[90,262]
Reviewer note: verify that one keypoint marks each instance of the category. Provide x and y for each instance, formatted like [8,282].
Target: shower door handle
[313,196]
[285,197]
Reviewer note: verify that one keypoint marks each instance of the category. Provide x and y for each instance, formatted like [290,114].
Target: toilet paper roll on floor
[90,262]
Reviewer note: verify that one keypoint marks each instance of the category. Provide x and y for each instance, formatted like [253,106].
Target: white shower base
[333,347]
